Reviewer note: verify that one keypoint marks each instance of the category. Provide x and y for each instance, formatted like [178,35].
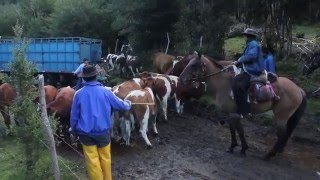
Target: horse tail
[294,119]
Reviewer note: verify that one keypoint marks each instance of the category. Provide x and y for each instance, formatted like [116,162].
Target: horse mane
[215,62]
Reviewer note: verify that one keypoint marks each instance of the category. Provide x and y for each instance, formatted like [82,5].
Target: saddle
[261,89]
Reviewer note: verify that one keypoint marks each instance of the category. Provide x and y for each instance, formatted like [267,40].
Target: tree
[206,20]
[84,18]
[144,23]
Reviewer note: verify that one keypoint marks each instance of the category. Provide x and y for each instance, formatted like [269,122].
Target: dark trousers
[240,87]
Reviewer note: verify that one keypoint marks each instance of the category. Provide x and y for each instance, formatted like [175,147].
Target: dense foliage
[145,24]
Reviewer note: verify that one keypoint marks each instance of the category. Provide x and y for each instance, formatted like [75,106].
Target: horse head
[311,64]
[194,71]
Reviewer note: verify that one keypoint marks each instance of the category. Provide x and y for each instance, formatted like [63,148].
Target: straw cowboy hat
[250,32]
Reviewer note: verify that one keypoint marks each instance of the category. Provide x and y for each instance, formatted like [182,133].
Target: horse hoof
[229,150]
[155,134]
[243,153]
[266,157]
[149,146]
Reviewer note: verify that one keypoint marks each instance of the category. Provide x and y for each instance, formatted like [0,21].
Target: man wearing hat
[253,64]
[91,121]
[78,72]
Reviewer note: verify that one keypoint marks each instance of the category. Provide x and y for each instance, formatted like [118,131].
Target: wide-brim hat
[89,71]
[250,32]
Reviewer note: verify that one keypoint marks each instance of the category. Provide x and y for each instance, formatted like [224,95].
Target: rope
[142,103]
[79,153]
[59,158]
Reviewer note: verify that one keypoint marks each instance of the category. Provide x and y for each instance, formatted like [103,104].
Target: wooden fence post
[45,122]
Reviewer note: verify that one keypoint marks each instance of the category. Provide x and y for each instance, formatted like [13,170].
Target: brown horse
[287,111]
[7,97]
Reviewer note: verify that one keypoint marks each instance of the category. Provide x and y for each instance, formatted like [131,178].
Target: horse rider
[78,73]
[253,64]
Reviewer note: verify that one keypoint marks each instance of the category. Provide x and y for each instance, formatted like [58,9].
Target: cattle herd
[149,93]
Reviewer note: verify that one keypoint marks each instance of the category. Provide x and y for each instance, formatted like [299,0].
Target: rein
[212,74]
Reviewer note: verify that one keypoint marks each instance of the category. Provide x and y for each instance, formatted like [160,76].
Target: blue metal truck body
[53,55]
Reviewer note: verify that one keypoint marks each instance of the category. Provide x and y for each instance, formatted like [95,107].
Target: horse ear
[199,55]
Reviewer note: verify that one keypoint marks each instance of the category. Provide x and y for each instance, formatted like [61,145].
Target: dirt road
[190,147]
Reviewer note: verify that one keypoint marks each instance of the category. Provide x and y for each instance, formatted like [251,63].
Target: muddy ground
[193,147]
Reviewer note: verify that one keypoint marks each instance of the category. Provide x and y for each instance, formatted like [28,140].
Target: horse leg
[244,144]
[284,130]
[234,143]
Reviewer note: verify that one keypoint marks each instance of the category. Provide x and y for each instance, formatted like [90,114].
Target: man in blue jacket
[253,64]
[91,121]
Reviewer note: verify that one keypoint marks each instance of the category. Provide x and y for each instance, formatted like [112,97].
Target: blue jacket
[269,63]
[252,59]
[91,109]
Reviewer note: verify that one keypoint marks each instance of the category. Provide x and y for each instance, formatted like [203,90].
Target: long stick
[45,121]
[168,38]
[115,48]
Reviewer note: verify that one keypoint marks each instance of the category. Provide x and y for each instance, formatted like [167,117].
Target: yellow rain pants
[98,162]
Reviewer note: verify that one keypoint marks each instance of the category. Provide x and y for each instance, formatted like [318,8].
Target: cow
[134,64]
[121,91]
[50,94]
[163,87]
[184,93]
[61,106]
[143,107]
[162,62]
[7,96]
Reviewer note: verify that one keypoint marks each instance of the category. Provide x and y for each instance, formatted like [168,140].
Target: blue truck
[56,58]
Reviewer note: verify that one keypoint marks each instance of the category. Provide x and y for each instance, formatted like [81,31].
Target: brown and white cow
[163,87]
[121,91]
[61,106]
[143,107]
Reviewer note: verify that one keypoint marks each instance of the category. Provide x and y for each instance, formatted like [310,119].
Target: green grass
[12,166]
[310,31]
[313,106]
[234,45]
